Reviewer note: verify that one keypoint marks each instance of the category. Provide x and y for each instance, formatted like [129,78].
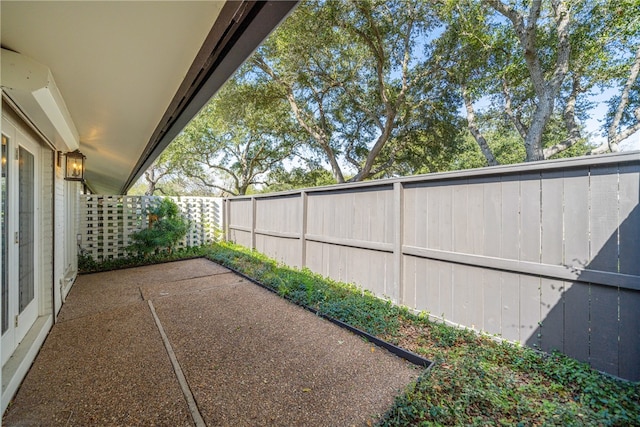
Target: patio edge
[398,351]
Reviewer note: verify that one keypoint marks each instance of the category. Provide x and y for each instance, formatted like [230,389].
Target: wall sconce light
[74,170]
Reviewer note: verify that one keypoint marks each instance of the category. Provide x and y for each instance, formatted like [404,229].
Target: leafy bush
[86,264]
[166,227]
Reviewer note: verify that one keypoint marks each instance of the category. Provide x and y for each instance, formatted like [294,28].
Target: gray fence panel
[460,211]
[629,219]
[240,213]
[576,223]
[428,287]
[576,321]
[476,298]
[447,300]
[510,295]
[431,199]
[552,216]
[629,341]
[425,216]
[354,265]
[510,236]
[603,184]
[603,353]
[462,293]
[492,212]
[410,219]
[240,237]
[530,217]
[278,249]
[277,231]
[314,257]
[551,314]
[545,254]
[280,214]
[445,202]
[409,280]
[530,310]
[492,302]
[551,328]
[476,222]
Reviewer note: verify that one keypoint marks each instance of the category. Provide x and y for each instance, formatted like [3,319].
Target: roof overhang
[128,75]
[240,29]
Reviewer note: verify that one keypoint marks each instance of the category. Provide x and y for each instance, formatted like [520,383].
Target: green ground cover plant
[475,380]
[86,264]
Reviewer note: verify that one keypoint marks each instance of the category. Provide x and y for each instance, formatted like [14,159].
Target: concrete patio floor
[246,356]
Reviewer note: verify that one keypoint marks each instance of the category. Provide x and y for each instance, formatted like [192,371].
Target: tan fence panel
[545,254]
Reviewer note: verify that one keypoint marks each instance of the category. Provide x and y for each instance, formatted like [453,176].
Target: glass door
[27,305]
[20,228]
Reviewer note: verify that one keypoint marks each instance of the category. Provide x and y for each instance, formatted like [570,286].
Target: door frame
[19,323]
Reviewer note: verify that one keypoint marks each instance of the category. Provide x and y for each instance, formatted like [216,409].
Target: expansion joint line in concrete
[186,390]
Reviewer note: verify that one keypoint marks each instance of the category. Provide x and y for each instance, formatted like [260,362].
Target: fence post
[303,229]
[253,223]
[225,219]
[398,213]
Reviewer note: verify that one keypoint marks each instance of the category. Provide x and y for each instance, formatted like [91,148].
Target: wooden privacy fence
[107,222]
[546,254]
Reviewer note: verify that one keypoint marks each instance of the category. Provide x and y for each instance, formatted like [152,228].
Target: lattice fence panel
[107,222]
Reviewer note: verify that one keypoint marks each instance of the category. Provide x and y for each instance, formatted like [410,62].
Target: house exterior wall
[66,194]
[60,240]
[47,231]
[50,245]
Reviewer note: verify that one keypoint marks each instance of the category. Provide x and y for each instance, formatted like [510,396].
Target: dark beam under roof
[238,31]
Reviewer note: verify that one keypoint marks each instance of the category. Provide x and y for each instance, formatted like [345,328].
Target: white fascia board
[31,86]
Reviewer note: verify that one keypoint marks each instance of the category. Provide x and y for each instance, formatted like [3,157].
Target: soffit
[117,65]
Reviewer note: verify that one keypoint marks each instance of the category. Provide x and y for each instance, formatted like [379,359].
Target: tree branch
[526,33]
[613,136]
[546,91]
[210,185]
[522,129]
[318,134]
[475,131]
[562,18]
[569,117]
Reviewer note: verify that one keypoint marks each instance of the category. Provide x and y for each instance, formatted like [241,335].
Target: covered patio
[191,343]
[109,82]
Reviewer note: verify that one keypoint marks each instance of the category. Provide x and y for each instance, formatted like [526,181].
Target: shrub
[166,227]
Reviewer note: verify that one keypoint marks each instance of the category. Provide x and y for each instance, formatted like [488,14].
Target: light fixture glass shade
[74,168]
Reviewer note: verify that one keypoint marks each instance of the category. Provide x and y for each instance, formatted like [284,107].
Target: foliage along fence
[107,222]
[546,254]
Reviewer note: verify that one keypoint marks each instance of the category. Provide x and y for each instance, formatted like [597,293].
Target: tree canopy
[361,89]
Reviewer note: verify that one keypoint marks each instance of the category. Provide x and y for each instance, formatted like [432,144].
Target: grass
[475,380]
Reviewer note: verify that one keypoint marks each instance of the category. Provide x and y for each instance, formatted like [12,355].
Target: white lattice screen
[108,221]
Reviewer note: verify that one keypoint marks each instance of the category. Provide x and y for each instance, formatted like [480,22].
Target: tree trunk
[151,183]
[475,131]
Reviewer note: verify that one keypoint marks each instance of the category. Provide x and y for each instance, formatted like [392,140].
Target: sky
[594,123]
